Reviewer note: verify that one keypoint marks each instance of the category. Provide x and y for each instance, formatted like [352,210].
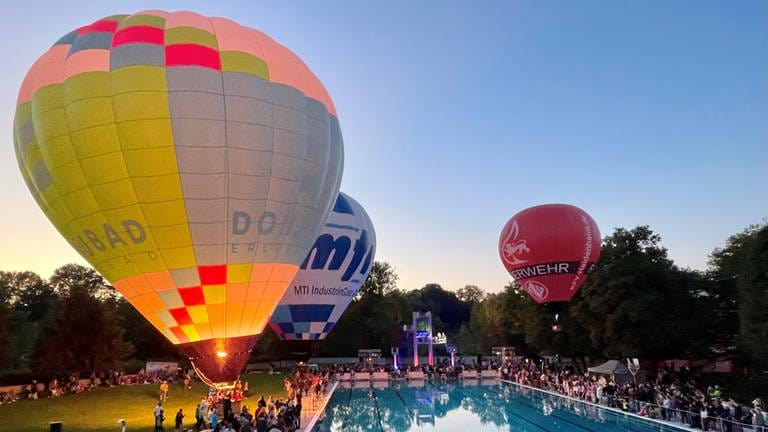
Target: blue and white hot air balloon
[328,279]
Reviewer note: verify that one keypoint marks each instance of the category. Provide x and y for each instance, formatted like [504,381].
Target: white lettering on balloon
[587,252]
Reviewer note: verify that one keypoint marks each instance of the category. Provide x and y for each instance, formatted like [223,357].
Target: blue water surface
[468,406]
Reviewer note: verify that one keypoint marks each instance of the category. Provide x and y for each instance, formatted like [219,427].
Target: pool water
[468,406]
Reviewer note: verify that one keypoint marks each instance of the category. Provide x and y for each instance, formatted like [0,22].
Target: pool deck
[310,413]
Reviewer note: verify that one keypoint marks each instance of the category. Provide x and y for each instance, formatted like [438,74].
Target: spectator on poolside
[758,418]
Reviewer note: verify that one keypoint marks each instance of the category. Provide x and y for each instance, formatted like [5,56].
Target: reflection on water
[419,406]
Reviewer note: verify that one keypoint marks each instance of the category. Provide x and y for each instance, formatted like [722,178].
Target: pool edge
[618,411]
[321,408]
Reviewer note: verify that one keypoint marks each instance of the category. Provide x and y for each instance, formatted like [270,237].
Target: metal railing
[672,416]
[691,419]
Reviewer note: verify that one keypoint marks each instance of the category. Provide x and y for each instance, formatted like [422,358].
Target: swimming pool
[468,406]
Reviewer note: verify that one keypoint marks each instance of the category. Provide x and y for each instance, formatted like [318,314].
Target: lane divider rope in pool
[378,411]
[534,408]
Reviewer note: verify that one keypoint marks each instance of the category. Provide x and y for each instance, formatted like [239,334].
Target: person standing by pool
[758,419]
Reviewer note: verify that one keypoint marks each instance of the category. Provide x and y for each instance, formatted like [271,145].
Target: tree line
[636,303]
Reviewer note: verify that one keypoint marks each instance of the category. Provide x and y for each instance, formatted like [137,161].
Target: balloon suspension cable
[207,381]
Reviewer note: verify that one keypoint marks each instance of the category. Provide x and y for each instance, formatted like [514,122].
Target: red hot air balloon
[549,249]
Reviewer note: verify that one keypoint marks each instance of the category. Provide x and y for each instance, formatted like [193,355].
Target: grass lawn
[98,410]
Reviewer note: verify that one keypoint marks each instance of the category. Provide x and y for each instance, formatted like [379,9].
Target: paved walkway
[311,409]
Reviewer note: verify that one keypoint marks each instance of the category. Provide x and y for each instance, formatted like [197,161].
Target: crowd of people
[441,369]
[221,410]
[671,396]
[225,410]
[71,384]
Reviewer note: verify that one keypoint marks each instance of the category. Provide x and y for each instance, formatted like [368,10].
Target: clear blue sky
[456,115]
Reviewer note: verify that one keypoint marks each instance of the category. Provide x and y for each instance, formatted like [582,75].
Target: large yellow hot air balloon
[191,161]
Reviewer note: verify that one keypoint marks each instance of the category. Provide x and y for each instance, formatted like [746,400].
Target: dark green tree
[24,334]
[72,276]
[738,294]
[548,329]
[347,335]
[27,291]
[448,312]
[6,342]
[7,294]
[516,304]
[374,321]
[375,317]
[752,286]
[466,341]
[381,280]
[637,303]
[28,300]
[383,319]
[487,323]
[527,318]
[82,336]
[470,294]
[725,265]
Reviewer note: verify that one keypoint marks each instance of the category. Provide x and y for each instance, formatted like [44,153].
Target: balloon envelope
[549,249]
[191,161]
[330,276]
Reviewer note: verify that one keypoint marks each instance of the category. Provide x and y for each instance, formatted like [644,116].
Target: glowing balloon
[191,161]
[549,249]
[330,276]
